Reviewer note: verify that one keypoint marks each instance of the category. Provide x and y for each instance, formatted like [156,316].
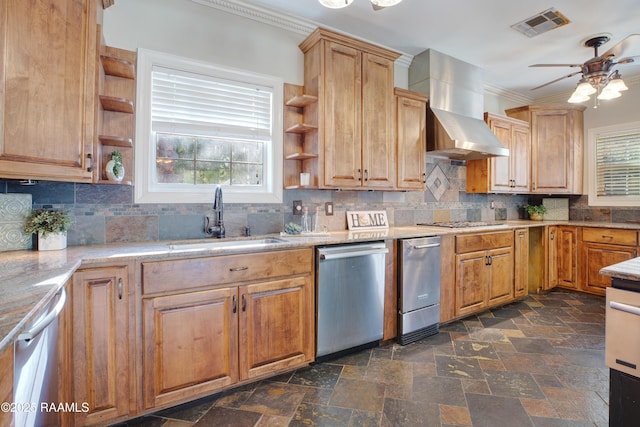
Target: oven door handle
[46,321]
[350,254]
[632,309]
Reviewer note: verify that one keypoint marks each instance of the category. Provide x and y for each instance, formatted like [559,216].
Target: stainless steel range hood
[455,126]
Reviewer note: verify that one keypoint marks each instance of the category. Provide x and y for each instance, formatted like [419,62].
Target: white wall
[185,28]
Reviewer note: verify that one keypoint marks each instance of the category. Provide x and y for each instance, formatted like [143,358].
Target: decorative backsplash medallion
[13,209]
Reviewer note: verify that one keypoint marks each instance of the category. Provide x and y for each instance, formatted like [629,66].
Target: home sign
[367,220]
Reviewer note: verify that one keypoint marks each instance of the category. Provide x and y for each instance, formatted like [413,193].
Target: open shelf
[118,67]
[301,128]
[116,141]
[300,101]
[301,156]
[113,103]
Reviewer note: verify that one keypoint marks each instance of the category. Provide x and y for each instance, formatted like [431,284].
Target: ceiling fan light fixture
[577,98]
[385,3]
[609,93]
[335,4]
[585,88]
[616,83]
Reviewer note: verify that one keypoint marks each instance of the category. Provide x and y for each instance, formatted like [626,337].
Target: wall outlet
[297,207]
[328,208]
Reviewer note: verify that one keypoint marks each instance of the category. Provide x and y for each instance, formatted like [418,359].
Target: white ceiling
[479,32]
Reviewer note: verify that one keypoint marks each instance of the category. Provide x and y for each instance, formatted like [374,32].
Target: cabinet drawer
[165,276]
[484,241]
[610,235]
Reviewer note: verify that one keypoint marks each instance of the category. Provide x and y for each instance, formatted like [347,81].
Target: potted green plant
[536,212]
[114,167]
[51,227]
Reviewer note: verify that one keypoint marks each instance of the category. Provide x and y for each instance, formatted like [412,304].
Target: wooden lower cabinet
[484,277]
[6,384]
[199,341]
[190,344]
[595,256]
[521,263]
[567,257]
[102,329]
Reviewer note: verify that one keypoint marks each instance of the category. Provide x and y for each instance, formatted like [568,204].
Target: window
[199,125]
[614,165]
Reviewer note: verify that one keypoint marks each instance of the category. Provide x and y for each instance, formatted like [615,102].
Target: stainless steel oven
[418,288]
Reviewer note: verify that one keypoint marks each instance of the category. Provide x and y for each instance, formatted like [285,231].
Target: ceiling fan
[597,73]
[376,4]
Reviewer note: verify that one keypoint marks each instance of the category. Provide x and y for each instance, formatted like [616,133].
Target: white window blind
[618,164]
[228,107]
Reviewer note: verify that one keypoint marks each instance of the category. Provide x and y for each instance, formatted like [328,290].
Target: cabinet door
[567,257]
[551,257]
[189,344]
[378,147]
[342,116]
[521,267]
[411,118]
[101,343]
[520,158]
[472,278]
[6,384]
[47,105]
[596,256]
[276,326]
[501,165]
[501,271]
[551,151]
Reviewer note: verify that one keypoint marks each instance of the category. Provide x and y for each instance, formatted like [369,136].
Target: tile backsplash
[107,214]
[13,209]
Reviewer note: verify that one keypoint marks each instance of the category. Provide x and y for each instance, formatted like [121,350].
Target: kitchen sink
[226,244]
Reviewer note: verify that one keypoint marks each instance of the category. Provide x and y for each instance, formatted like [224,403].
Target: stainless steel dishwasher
[350,297]
[419,288]
[35,378]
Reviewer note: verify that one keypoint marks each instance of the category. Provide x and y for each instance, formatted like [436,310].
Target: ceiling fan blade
[557,80]
[628,59]
[556,65]
[619,49]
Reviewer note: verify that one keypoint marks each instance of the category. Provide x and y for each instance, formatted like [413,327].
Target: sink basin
[226,244]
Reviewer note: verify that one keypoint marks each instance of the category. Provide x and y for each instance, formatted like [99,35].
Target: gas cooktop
[458,224]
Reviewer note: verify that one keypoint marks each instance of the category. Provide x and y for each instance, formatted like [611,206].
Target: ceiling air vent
[541,23]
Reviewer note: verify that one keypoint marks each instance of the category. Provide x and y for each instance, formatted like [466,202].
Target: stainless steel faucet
[215,228]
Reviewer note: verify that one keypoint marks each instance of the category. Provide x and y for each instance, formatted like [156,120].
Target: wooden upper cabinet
[48,72]
[343,111]
[502,174]
[353,81]
[411,118]
[557,134]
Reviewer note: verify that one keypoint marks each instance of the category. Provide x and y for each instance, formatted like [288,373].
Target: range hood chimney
[455,126]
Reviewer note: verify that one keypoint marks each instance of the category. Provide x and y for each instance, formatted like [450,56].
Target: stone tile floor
[537,362]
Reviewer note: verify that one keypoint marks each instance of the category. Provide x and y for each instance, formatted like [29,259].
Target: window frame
[592,137]
[147,192]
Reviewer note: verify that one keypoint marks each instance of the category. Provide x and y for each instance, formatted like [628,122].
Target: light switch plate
[328,208]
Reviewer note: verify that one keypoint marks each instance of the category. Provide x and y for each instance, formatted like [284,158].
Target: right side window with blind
[614,165]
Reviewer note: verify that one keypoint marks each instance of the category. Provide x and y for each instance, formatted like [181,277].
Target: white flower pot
[113,176]
[52,241]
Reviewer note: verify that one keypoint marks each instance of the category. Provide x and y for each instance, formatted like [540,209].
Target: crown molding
[509,95]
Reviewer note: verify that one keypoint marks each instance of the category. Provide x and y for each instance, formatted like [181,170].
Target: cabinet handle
[239,268]
[235,304]
[366,175]
[424,178]
[488,260]
[120,288]
[90,157]
[244,302]
[552,235]
[604,236]
[359,174]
